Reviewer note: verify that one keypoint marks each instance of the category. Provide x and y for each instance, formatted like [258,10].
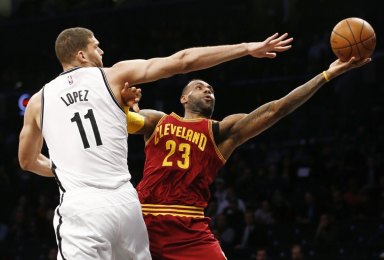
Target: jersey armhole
[215,131]
[42,109]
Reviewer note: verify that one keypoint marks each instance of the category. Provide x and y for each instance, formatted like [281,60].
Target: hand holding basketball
[353,37]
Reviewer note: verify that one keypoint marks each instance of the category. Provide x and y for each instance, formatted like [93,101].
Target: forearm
[206,57]
[299,95]
[41,166]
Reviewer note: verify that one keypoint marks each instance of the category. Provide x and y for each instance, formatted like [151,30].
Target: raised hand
[338,67]
[270,46]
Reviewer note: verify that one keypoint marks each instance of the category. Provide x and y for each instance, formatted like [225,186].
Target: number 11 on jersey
[89,115]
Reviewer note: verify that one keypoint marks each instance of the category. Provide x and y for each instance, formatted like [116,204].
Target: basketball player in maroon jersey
[184,154]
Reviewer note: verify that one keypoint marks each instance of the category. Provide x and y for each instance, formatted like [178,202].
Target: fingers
[136,108]
[279,39]
[272,37]
[126,86]
[361,62]
[130,95]
[281,43]
[270,55]
[282,48]
[283,36]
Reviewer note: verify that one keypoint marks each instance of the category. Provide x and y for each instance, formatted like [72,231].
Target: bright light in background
[5,8]
[23,102]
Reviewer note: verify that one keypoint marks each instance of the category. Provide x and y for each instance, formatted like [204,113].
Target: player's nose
[207,91]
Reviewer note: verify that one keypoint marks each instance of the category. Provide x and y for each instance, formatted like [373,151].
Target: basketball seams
[369,39]
[355,45]
[351,31]
[345,38]
[353,37]
[351,45]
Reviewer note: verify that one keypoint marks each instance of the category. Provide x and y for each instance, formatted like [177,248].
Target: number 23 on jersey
[170,158]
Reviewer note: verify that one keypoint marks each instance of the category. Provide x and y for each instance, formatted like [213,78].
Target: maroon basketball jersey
[182,160]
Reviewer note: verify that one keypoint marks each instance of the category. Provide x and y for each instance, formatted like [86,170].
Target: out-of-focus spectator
[261,254]
[220,195]
[338,208]
[264,214]
[327,237]
[223,232]
[297,252]
[309,210]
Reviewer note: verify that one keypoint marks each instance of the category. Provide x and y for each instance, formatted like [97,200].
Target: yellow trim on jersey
[173,214]
[155,131]
[186,119]
[173,210]
[135,121]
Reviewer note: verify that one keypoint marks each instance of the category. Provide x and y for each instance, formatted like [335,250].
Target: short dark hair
[187,86]
[70,41]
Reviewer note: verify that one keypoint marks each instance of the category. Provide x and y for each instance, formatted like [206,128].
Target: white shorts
[101,224]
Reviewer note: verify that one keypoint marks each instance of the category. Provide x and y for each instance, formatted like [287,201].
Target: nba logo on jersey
[70,80]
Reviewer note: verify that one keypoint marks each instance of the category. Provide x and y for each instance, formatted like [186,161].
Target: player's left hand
[339,67]
[131,96]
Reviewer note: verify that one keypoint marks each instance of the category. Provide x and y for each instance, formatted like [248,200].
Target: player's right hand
[269,47]
[131,96]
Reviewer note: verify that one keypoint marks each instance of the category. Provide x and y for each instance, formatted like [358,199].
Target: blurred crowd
[311,187]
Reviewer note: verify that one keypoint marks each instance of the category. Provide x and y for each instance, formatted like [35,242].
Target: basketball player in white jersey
[80,116]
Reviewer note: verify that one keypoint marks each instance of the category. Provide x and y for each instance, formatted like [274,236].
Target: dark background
[337,136]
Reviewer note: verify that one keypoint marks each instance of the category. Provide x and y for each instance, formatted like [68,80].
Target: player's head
[198,97]
[78,46]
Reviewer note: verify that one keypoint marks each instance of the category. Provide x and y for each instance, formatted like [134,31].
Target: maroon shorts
[188,238]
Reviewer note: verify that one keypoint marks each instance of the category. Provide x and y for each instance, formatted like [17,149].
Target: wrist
[326,76]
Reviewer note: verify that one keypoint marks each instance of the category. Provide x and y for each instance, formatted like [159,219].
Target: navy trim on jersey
[42,110]
[53,168]
[110,90]
[70,70]
[58,236]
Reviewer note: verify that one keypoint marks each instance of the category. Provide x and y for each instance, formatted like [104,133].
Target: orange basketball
[353,37]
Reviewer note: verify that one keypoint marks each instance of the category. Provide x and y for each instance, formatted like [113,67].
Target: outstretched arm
[31,141]
[237,129]
[143,71]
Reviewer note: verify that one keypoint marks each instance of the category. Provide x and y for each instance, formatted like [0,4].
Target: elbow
[186,62]
[25,164]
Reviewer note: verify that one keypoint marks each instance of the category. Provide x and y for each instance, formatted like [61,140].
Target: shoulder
[35,100]
[33,109]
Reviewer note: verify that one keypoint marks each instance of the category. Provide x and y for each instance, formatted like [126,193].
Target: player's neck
[193,115]
[70,66]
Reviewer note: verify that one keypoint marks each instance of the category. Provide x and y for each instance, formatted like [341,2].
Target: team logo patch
[70,80]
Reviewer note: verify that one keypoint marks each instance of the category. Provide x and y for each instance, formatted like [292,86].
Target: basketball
[353,37]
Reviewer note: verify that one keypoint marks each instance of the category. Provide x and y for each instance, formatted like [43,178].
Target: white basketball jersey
[85,131]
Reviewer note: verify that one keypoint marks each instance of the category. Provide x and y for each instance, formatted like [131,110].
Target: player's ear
[80,55]
[183,99]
